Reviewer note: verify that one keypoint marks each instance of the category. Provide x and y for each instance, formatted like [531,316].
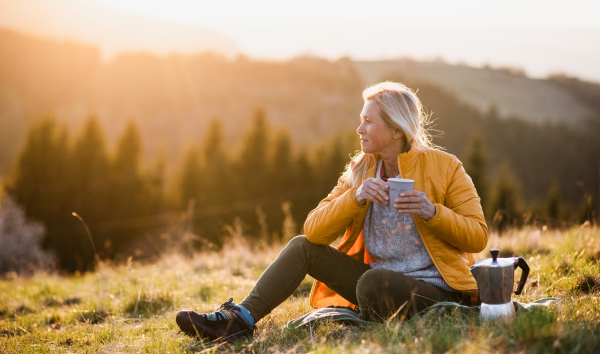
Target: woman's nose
[360,130]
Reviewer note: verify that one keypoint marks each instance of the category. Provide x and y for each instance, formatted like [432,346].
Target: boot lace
[226,305]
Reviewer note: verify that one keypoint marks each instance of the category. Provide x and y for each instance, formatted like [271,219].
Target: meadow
[131,307]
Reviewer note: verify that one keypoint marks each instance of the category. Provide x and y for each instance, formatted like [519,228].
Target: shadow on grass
[587,284]
[148,305]
[92,316]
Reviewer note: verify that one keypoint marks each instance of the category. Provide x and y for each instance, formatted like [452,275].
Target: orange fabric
[456,230]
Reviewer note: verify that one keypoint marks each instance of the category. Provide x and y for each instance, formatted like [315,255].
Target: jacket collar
[407,162]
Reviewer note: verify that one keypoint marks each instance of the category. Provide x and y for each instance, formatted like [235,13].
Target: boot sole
[198,330]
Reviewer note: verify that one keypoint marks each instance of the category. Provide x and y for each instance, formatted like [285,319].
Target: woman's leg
[337,270]
[381,292]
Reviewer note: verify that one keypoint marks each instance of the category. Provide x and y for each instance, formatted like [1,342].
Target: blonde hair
[400,109]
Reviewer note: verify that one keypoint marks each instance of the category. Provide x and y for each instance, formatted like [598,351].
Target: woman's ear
[398,134]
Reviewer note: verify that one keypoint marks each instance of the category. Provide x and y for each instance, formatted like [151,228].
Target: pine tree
[90,171]
[217,176]
[129,191]
[476,166]
[41,175]
[252,173]
[253,164]
[126,163]
[217,182]
[281,177]
[553,205]
[281,166]
[506,202]
[190,181]
[252,169]
[156,184]
[335,163]
[88,194]
[305,181]
[126,180]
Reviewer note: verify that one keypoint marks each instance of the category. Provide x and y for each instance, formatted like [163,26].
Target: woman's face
[375,136]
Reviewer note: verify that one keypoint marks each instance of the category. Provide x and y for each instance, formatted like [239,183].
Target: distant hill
[513,94]
[92,22]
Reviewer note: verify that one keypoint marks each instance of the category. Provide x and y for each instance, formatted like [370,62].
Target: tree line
[266,187]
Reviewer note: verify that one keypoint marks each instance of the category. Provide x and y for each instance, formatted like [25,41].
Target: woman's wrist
[432,214]
[358,198]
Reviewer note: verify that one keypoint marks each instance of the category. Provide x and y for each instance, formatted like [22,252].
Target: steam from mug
[397,186]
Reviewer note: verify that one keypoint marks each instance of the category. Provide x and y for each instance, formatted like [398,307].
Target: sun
[212,12]
[158,9]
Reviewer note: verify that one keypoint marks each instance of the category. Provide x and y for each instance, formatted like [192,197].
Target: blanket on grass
[347,315]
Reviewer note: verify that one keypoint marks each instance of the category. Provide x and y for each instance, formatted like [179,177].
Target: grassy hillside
[513,94]
[130,308]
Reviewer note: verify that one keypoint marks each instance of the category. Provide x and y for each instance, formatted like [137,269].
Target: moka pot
[495,279]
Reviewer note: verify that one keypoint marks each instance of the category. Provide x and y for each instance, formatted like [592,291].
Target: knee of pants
[299,243]
[373,285]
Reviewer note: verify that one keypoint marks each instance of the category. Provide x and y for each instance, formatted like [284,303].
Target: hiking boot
[229,322]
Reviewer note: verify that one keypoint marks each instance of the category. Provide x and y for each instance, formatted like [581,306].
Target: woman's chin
[365,149]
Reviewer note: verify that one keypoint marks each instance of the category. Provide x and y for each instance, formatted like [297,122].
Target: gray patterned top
[393,239]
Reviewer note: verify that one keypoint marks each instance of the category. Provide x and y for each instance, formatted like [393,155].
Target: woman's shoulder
[439,156]
[440,163]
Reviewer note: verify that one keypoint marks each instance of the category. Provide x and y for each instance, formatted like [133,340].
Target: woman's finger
[384,188]
[408,202]
[378,188]
[372,195]
[419,199]
[412,206]
[381,184]
[382,194]
[412,193]
[411,203]
[379,199]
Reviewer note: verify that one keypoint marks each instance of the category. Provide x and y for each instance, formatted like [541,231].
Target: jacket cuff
[353,197]
[436,217]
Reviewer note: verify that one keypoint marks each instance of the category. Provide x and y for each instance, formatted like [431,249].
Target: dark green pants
[378,292]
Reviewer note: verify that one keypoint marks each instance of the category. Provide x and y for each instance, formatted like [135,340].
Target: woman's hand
[415,202]
[372,189]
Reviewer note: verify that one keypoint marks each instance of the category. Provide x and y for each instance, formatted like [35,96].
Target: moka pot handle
[520,263]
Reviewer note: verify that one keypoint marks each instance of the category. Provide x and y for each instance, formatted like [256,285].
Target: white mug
[397,186]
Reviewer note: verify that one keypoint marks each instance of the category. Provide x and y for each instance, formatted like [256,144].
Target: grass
[130,308]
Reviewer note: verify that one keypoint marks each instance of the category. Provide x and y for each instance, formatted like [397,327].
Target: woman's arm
[460,221]
[333,214]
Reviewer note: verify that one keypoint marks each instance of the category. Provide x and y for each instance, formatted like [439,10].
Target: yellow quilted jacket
[457,229]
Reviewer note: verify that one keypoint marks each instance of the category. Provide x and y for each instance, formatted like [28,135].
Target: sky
[556,14]
[541,37]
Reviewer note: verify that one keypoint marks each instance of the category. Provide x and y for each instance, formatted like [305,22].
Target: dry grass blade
[387,322]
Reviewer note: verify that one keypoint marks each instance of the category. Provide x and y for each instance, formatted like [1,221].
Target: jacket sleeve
[333,214]
[460,221]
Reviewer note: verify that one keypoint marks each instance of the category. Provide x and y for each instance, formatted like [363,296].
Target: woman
[407,259]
